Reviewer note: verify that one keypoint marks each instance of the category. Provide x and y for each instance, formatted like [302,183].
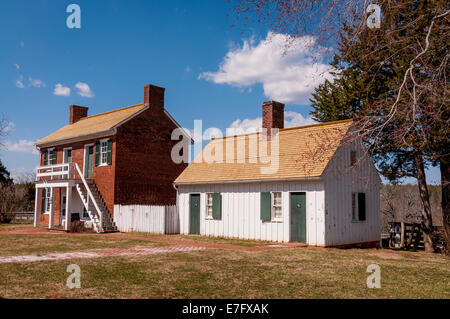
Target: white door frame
[84,158]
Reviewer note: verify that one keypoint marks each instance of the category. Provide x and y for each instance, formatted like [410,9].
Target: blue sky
[211,70]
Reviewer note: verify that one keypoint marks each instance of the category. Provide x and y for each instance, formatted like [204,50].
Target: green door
[298,217]
[89,161]
[194,215]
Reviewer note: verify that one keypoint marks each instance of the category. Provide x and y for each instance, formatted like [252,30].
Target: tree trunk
[427,224]
[445,180]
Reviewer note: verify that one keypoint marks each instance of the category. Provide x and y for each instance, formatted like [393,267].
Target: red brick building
[118,157]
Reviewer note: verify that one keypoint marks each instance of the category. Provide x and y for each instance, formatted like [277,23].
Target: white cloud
[291,119]
[19,82]
[36,82]
[61,90]
[22,146]
[84,90]
[9,127]
[16,66]
[288,73]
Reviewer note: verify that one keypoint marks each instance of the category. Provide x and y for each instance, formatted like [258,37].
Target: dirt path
[97,253]
[186,240]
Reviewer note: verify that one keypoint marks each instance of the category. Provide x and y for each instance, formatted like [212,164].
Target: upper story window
[67,155]
[103,152]
[50,157]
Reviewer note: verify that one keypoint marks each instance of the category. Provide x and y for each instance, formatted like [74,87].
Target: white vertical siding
[340,181]
[147,219]
[241,211]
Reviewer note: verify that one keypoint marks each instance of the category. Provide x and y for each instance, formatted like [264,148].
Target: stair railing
[91,196]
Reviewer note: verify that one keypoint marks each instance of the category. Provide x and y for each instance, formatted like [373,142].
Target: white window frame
[272,207]
[209,205]
[65,154]
[101,153]
[49,153]
[48,200]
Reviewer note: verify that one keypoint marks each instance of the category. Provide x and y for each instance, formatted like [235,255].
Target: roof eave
[294,179]
[77,138]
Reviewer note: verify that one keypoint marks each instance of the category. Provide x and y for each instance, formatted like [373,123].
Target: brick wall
[103,176]
[144,168]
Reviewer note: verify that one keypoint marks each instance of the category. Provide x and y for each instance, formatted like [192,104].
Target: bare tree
[412,114]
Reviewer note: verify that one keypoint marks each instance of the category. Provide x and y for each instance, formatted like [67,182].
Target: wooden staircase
[103,223]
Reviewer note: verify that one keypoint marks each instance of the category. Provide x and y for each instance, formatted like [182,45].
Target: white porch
[69,177]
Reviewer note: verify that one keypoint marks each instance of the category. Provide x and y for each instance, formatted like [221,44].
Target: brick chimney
[272,116]
[154,96]
[77,113]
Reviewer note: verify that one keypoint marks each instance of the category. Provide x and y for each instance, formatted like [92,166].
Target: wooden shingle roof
[304,152]
[92,124]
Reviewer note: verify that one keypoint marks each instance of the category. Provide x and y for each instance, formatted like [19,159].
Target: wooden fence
[147,219]
[18,217]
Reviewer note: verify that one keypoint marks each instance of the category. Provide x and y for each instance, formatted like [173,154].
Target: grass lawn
[217,273]
[223,240]
[63,242]
[14,226]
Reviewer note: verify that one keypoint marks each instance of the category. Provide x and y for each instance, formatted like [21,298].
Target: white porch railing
[57,171]
[90,197]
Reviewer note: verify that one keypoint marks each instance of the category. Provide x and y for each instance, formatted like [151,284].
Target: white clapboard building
[313,184]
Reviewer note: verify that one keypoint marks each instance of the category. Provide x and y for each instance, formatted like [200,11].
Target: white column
[52,210]
[36,208]
[68,199]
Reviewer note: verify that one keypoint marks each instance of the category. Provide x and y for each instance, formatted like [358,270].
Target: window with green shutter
[45,158]
[217,206]
[67,157]
[265,206]
[97,153]
[109,152]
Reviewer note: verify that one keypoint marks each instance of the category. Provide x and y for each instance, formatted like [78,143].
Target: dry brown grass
[278,273]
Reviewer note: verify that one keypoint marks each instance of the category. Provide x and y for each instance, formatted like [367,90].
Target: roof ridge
[317,125]
[286,129]
[112,111]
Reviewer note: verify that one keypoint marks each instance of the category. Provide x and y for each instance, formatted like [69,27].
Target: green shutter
[69,156]
[265,207]
[97,153]
[109,154]
[54,154]
[43,201]
[362,206]
[45,158]
[217,206]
